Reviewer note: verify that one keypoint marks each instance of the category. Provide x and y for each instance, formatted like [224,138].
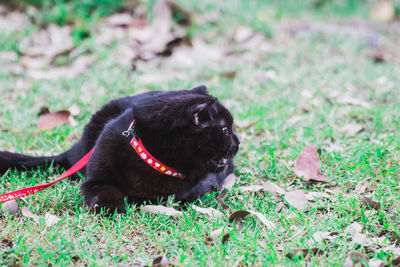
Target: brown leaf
[307,165]
[304,252]
[361,187]
[250,188]
[28,213]
[48,42]
[353,229]
[229,74]
[297,199]
[219,232]
[377,263]
[48,121]
[351,129]
[160,37]
[10,207]
[396,261]
[272,188]
[208,211]
[371,203]
[354,101]
[243,34]
[223,231]
[6,243]
[49,219]
[120,20]
[383,11]
[292,121]
[241,214]
[159,209]
[229,181]
[199,52]
[160,261]
[318,237]
[356,258]
[220,199]
[312,196]
[245,124]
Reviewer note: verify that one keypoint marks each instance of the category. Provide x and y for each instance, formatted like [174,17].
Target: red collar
[147,157]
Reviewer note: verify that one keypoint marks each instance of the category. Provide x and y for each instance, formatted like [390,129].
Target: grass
[304,75]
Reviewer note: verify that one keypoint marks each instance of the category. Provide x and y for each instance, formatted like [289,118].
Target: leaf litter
[10,207]
[159,209]
[213,213]
[49,219]
[307,165]
[297,199]
[48,121]
[241,214]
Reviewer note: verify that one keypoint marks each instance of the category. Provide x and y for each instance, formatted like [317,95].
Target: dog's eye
[225,130]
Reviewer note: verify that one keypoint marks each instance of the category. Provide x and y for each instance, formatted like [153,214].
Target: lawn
[320,72]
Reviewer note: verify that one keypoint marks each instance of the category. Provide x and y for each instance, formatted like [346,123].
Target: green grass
[304,74]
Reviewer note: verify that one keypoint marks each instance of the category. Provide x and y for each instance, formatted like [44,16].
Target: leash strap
[34,189]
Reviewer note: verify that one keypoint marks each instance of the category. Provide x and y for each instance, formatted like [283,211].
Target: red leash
[34,189]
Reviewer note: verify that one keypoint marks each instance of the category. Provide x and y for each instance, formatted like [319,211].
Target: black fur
[183,129]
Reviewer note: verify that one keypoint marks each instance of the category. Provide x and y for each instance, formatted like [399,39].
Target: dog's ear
[202,89]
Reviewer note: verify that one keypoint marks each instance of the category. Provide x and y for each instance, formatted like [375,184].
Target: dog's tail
[9,160]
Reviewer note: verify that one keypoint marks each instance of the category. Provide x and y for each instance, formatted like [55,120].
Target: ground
[323,73]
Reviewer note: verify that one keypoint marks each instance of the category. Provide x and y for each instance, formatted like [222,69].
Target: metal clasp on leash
[130,130]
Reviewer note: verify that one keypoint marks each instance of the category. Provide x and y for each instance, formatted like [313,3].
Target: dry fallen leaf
[361,187]
[318,237]
[48,121]
[159,209]
[354,101]
[307,165]
[229,181]
[160,261]
[250,188]
[396,261]
[353,229]
[297,199]
[10,207]
[49,219]
[272,188]
[292,121]
[223,231]
[377,263]
[229,74]
[208,211]
[219,232]
[48,42]
[351,129]
[28,213]
[371,203]
[361,239]
[383,11]
[4,243]
[241,214]
[220,199]
[312,196]
[161,36]
[119,20]
[304,252]
[355,258]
